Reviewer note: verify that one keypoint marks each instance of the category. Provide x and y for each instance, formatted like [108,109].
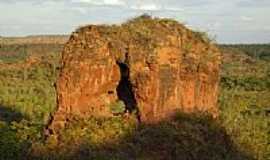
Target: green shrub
[117,107]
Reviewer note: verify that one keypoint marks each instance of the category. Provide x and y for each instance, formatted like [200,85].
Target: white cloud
[114,2]
[246,18]
[81,10]
[101,2]
[147,7]
[174,9]
[214,25]
[155,7]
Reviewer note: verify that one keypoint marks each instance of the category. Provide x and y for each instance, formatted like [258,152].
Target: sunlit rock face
[155,66]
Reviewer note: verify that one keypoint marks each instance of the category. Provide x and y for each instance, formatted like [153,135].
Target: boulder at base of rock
[155,66]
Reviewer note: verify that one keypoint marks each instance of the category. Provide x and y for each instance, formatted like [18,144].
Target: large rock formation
[156,66]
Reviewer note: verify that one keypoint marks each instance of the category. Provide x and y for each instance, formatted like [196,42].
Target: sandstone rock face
[156,66]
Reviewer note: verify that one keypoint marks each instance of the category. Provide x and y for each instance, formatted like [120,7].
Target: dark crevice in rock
[124,89]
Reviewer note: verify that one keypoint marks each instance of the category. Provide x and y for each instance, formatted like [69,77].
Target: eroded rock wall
[169,68]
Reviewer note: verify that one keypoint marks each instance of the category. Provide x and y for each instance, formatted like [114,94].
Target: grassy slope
[245,99]
[27,97]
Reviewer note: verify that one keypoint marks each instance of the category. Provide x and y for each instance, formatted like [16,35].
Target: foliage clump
[117,107]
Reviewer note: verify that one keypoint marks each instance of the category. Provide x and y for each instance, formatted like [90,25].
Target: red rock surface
[156,66]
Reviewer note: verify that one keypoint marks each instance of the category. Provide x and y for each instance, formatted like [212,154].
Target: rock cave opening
[124,89]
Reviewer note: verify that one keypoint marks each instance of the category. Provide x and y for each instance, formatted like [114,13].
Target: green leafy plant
[117,107]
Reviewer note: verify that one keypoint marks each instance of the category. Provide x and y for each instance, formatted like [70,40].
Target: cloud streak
[101,2]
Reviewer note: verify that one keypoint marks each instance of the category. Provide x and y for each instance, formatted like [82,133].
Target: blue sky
[230,21]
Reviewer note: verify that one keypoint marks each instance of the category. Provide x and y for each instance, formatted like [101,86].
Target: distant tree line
[11,53]
[258,51]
